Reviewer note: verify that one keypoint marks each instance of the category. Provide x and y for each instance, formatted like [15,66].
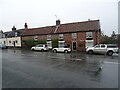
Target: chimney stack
[89,20]
[1,31]
[13,29]
[57,22]
[26,26]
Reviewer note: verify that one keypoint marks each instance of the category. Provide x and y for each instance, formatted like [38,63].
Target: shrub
[54,43]
[31,43]
[42,42]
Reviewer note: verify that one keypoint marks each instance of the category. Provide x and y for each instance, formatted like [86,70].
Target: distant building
[78,35]
[1,34]
[11,38]
[115,37]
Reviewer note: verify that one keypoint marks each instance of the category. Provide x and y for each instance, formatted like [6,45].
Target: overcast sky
[40,13]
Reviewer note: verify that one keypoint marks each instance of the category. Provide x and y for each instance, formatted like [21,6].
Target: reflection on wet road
[30,69]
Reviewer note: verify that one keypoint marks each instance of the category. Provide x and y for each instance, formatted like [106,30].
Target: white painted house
[11,38]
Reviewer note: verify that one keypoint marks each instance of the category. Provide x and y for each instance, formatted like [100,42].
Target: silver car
[108,49]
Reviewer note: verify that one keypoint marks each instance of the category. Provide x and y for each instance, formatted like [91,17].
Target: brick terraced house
[78,36]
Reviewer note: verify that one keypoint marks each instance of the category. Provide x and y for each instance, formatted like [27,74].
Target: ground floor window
[61,43]
[49,44]
[89,43]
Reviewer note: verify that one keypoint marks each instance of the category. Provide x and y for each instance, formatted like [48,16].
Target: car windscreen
[97,46]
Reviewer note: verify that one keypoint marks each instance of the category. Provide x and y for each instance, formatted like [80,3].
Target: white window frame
[63,42]
[49,43]
[89,41]
[36,38]
[61,36]
[74,35]
[89,35]
[48,37]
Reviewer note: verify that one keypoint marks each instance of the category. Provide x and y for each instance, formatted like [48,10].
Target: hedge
[31,43]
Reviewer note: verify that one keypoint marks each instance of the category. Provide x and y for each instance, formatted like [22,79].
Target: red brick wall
[81,37]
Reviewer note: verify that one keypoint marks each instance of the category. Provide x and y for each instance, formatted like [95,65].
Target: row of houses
[77,35]
[11,38]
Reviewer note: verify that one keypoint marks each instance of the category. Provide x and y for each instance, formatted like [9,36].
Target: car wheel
[90,52]
[110,53]
[55,51]
[33,49]
[66,51]
[42,50]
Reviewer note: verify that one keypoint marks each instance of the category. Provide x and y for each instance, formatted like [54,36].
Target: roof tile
[63,28]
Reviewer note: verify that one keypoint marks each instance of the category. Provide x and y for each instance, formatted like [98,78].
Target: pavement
[31,69]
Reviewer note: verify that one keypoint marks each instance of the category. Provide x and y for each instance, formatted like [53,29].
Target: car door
[60,49]
[97,49]
[40,47]
[36,47]
[103,49]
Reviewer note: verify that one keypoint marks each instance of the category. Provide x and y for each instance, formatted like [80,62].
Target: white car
[108,49]
[61,49]
[40,47]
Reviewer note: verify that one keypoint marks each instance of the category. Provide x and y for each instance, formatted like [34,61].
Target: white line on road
[72,59]
[111,62]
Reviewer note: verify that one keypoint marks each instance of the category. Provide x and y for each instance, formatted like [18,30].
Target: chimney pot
[26,26]
[13,29]
[58,22]
[88,19]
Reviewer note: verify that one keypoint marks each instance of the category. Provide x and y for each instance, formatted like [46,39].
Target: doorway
[74,46]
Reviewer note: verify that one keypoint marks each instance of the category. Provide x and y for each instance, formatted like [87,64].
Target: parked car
[64,49]
[40,47]
[108,49]
[3,46]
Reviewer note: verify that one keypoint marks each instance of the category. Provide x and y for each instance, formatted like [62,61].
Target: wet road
[31,69]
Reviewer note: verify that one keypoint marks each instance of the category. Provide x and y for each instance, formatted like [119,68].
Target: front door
[74,45]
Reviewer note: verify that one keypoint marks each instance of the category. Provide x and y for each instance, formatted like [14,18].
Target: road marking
[111,62]
[72,59]
[28,55]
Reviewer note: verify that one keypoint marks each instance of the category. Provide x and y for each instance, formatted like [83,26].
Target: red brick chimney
[57,22]
[13,29]
[26,26]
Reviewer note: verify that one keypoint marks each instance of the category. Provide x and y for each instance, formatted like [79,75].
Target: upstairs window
[61,36]
[74,35]
[48,37]
[36,38]
[88,35]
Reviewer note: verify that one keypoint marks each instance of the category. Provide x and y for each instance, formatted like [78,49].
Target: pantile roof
[64,28]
